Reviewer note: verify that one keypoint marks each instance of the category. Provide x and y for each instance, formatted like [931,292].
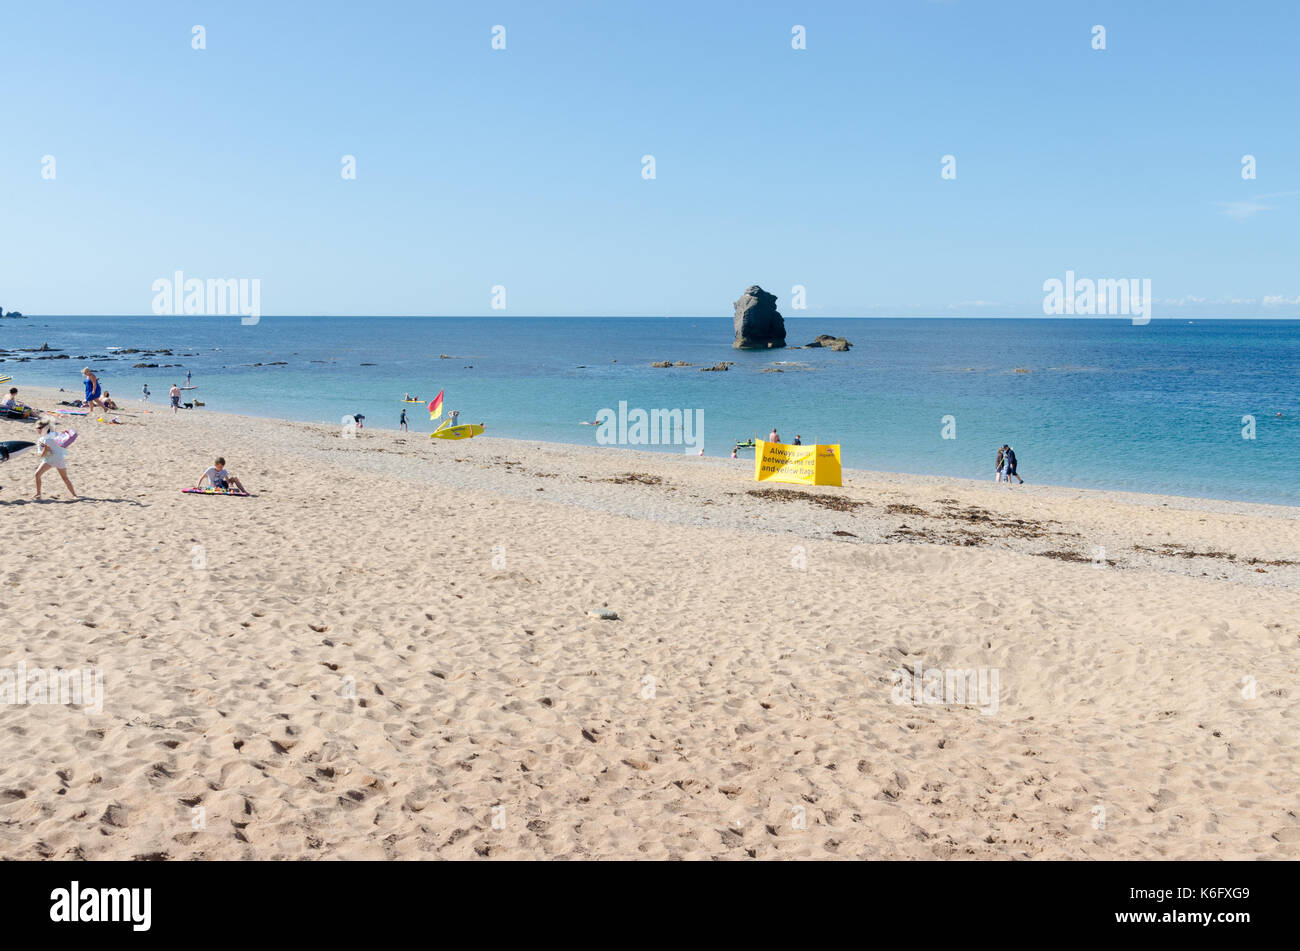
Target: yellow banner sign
[802,465]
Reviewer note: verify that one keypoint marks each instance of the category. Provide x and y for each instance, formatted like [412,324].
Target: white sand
[389,648]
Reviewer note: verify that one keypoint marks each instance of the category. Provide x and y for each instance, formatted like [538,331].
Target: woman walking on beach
[997,466]
[53,456]
[93,389]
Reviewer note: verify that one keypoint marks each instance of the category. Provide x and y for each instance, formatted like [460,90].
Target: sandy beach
[392,651]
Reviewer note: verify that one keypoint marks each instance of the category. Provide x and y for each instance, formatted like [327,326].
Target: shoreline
[360,367]
[48,396]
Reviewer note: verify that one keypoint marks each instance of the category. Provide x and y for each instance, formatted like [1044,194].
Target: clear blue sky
[522,167]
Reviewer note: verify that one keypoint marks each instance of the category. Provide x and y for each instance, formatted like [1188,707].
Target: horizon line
[498,316]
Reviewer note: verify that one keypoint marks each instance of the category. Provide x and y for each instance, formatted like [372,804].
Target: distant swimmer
[773,436]
[798,440]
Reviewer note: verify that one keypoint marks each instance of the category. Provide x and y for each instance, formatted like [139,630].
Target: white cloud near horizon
[1248,208]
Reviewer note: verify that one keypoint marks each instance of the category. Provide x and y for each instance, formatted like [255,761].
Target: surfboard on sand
[5,379]
[208,490]
[13,447]
[468,431]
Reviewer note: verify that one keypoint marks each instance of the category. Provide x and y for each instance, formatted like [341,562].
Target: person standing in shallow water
[402,423]
[773,436]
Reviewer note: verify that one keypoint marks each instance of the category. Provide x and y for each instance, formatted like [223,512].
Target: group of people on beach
[1005,467]
[52,446]
[773,436]
[173,394]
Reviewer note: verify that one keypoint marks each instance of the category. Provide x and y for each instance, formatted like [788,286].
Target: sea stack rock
[758,323]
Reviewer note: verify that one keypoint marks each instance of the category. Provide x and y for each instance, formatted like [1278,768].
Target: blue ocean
[1164,407]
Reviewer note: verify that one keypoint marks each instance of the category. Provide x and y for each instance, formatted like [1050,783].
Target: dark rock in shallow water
[661,363]
[716,367]
[830,343]
[758,323]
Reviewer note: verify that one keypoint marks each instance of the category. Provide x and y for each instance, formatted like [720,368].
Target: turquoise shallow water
[1105,404]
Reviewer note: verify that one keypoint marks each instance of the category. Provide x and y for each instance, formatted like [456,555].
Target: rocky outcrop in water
[829,342]
[758,323]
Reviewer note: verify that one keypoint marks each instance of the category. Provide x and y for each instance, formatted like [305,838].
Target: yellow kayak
[468,431]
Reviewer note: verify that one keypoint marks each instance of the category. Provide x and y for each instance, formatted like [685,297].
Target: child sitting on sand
[219,478]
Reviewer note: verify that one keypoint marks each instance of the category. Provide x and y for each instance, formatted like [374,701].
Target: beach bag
[66,438]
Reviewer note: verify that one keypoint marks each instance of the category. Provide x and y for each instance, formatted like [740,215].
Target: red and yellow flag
[435,407]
